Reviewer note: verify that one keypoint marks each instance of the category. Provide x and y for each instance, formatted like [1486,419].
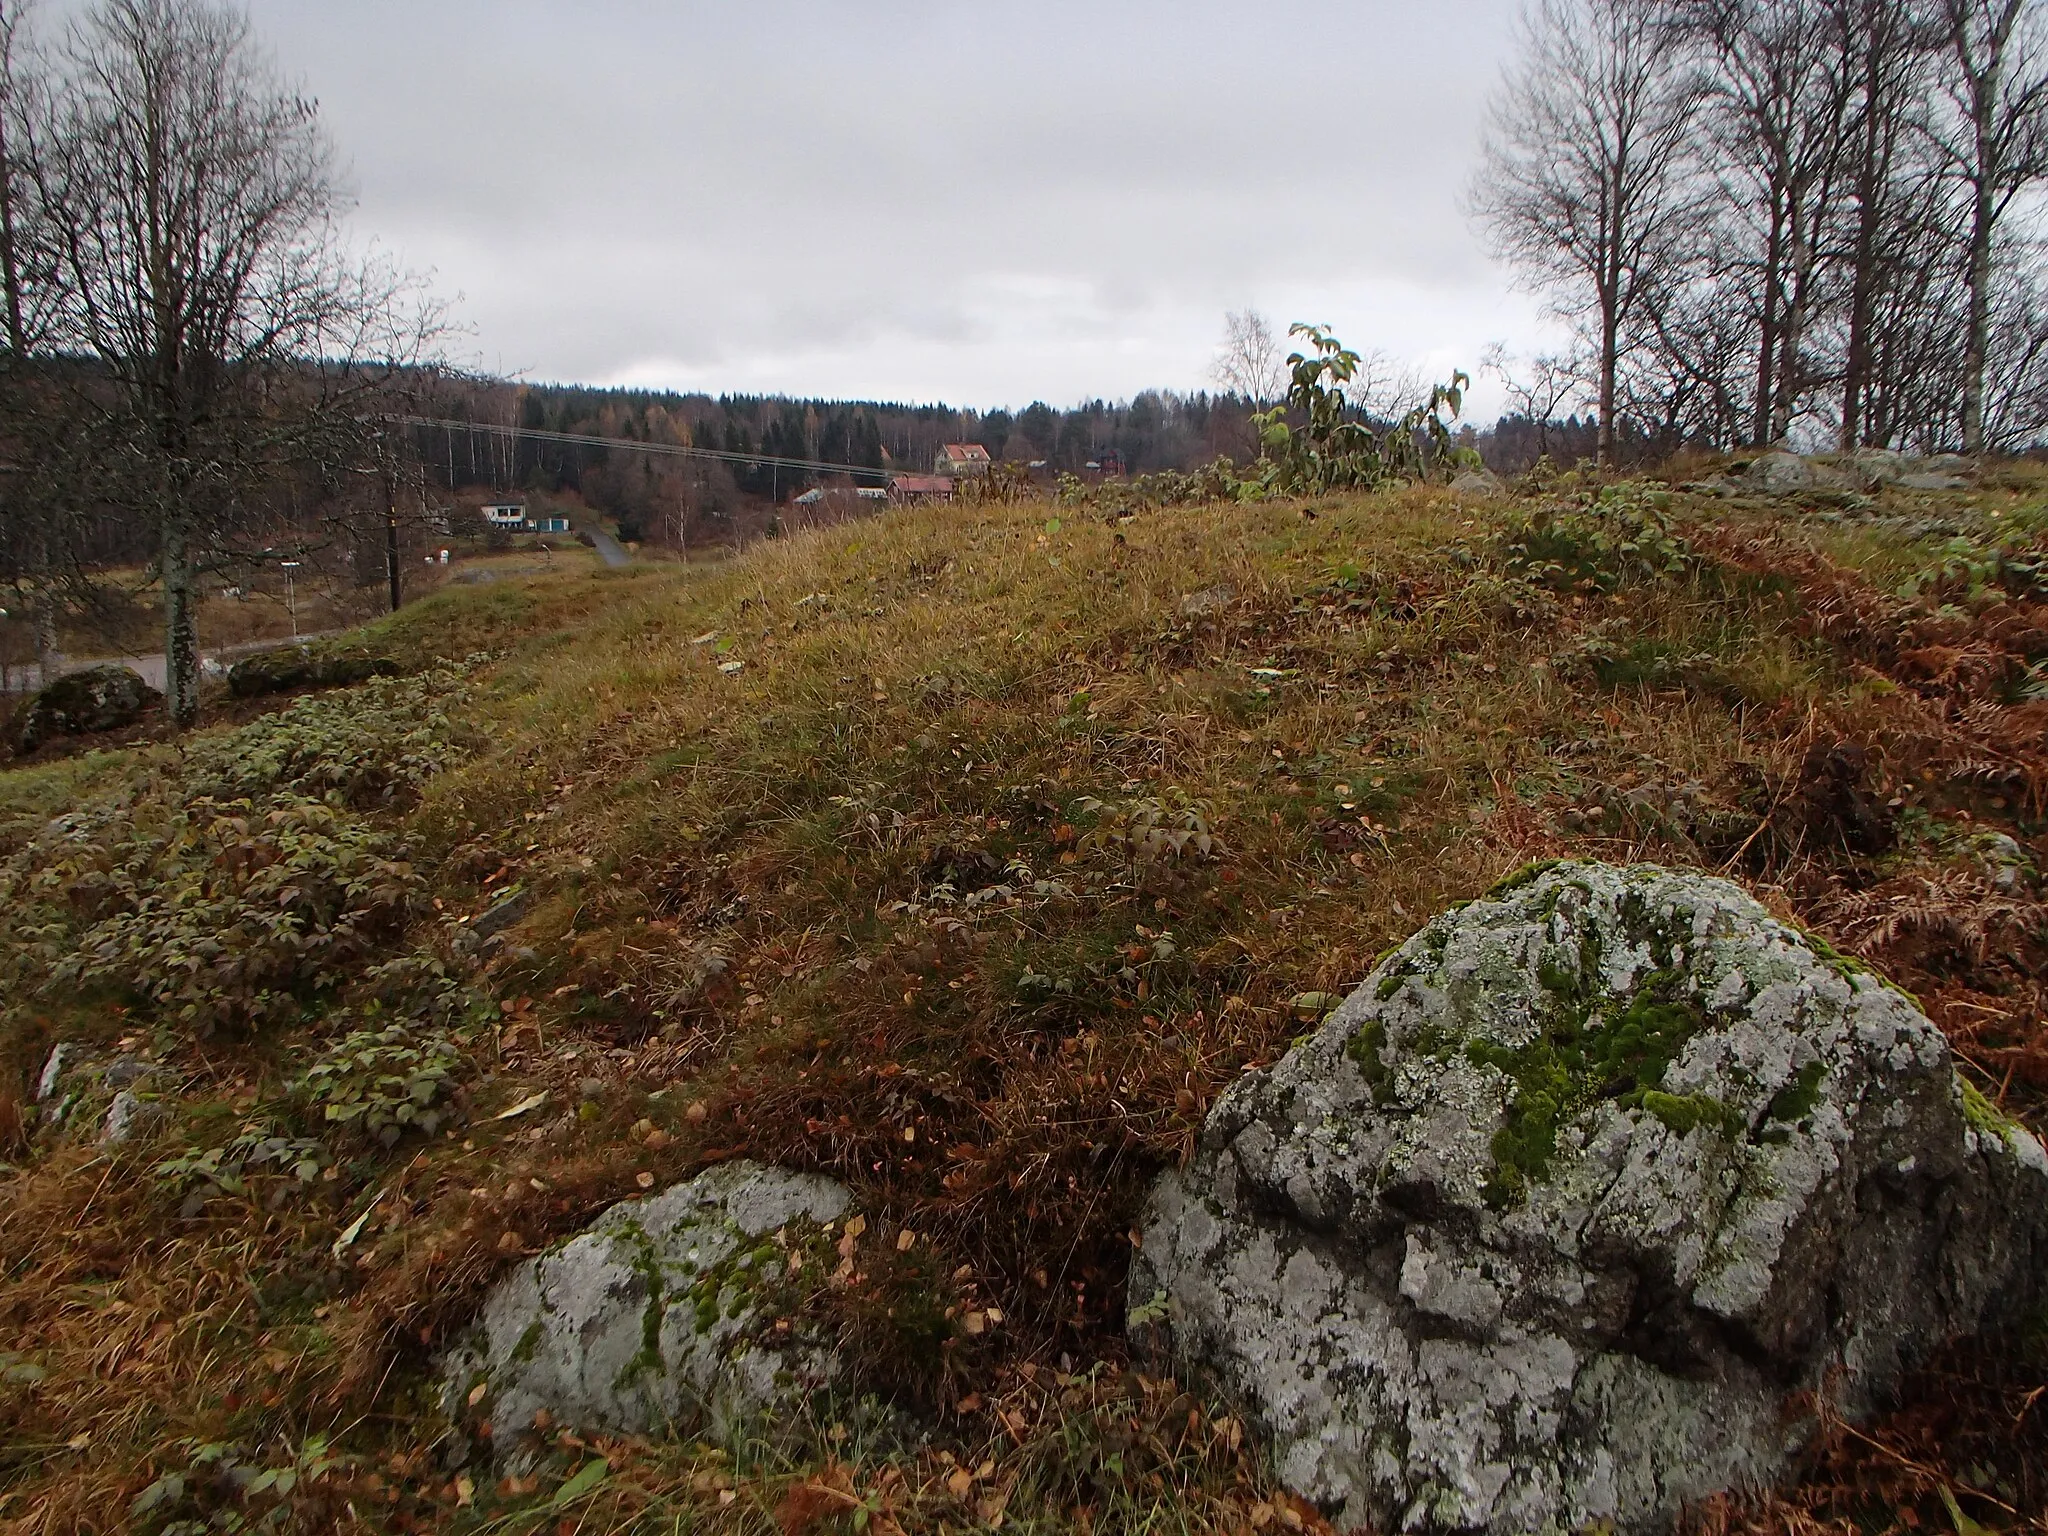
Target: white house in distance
[511,516]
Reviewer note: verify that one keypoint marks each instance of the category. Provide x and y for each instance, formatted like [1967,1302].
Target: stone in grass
[102,698]
[650,1318]
[1550,1221]
[286,667]
[1481,483]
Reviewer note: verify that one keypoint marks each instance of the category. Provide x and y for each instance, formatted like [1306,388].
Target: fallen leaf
[905,1240]
[531,1102]
[352,1231]
[644,1180]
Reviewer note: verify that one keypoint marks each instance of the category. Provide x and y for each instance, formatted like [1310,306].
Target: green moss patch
[1368,1049]
[1798,1099]
[1582,1060]
[1983,1116]
[1528,874]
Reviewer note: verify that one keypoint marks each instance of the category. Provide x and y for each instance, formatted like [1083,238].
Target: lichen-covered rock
[1480,483]
[305,666]
[1781,472]
[653,1316]
[101,698]
[1551,1218]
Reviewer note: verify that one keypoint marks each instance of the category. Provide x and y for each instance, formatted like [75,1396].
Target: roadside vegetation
[966,855]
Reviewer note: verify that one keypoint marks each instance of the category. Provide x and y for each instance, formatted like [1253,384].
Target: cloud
[916,198]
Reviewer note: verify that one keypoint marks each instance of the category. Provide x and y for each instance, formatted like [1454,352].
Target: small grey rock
[1878,467]
[53,1071]
[501,914]
[125,1072]
[1209,600]
[1452,1310]
[607,1334]
[128,1118]
[1931,480]
[591,1088]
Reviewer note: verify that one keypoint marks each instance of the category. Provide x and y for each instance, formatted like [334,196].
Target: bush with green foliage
[364,746]
[383,1083]
[240,884]
[1318,440]
[219,914]
[1622,538]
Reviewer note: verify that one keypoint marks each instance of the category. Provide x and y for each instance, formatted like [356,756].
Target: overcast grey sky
[915,199]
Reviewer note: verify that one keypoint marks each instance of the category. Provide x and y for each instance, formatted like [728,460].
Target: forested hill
[1153,430]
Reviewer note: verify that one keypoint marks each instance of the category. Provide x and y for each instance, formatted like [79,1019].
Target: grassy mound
[965,855]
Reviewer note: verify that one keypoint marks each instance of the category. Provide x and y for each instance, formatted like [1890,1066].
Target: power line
[667,450]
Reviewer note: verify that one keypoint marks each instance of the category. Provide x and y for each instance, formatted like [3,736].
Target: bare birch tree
[194,206]
[1250,362]
[1995,139]
[1583,183]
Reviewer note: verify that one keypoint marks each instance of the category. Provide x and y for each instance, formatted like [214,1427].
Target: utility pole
[391,540]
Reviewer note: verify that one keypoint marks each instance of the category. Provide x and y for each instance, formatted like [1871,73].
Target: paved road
[609,550]
[24,678]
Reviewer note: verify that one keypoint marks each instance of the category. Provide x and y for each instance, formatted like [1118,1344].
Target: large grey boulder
[102,698]
[286,667]
[1481,483]
[1548,1222]
[1776,474]
[1879,467]
[654,1316]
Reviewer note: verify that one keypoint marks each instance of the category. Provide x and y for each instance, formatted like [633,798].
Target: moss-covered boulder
[670,1312]
[103,698]
[305,666]
[1551,1221]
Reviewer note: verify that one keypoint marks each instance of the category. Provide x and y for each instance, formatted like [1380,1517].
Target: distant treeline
[683,500]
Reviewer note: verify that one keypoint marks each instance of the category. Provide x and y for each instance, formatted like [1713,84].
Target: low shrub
[366,746]
[224,914]
[1624,538]
[381,1084]
[237,886]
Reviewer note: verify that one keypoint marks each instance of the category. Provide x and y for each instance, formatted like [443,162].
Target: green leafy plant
[1318,439]
[241,881]
[224,914]
[208,1173]
[1149,830]
[1623,538]
[222,1487]
[384,1083]
[365,746]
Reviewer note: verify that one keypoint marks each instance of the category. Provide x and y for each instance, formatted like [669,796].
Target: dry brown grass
[751,925]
